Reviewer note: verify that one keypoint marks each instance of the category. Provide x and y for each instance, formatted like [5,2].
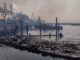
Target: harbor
[65,49]
[18,31]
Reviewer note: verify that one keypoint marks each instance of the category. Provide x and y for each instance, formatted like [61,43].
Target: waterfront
[6,52]
[71,33]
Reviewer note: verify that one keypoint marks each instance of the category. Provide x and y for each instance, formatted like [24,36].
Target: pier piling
[27,29]
[40,27]
[56,28]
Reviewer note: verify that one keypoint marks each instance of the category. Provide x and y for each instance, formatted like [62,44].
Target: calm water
[9,53]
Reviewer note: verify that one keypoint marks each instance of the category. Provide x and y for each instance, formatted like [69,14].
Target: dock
[65,50]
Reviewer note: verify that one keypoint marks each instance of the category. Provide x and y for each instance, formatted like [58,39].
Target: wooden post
[27,29]
[56,28]
[56,34]
[49,35]
[21,24]
[40,26]
[4,25]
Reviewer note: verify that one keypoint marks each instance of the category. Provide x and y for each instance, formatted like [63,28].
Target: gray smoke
[66,10]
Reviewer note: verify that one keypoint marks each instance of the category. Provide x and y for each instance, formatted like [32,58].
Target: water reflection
[9,53]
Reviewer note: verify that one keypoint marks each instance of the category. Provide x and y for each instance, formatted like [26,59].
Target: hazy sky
[65,10]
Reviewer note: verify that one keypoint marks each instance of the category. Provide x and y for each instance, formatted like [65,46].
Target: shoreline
[36,49]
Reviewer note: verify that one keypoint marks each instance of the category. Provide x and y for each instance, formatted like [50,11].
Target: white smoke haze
[66,10]
[15,7]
